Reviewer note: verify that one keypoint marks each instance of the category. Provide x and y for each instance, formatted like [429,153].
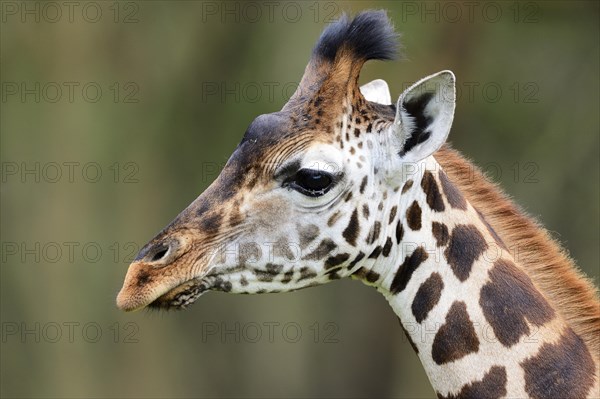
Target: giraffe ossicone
[344,183]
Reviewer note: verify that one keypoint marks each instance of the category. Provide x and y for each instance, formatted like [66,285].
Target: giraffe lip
[181,296]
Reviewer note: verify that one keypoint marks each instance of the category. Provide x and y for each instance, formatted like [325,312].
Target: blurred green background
[115,116]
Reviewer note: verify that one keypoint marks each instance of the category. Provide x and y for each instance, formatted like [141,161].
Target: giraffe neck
[479,325]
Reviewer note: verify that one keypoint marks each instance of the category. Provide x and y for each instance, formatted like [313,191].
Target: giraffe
[343,183]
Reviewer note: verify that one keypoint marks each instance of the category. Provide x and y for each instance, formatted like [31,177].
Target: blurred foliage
[531,121]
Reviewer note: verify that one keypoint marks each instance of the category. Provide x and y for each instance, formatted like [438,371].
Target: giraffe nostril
[161,250]
[159,253]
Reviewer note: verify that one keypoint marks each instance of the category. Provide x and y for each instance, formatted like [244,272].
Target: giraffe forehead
[267,127]
[269,141]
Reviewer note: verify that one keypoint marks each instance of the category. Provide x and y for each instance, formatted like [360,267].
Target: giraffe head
[300,200]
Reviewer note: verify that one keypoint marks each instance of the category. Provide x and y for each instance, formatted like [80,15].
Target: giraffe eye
[310,182]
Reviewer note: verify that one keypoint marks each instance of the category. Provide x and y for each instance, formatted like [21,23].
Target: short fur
[542,258]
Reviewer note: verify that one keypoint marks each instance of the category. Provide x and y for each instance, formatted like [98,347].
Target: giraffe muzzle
[167,273]
[143,287]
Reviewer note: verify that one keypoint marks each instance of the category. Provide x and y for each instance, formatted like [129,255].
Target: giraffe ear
[424,116]
[377,91]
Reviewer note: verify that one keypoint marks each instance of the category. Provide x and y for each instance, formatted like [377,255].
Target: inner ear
[415,107]
[424,116]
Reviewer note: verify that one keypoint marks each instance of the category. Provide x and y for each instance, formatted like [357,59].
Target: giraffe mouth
[181,296]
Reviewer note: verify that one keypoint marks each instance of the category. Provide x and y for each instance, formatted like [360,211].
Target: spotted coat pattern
[480,326]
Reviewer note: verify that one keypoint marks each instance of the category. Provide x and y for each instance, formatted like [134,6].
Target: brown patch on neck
[567,289]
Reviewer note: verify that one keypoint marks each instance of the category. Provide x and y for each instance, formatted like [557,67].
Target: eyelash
[310,182]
